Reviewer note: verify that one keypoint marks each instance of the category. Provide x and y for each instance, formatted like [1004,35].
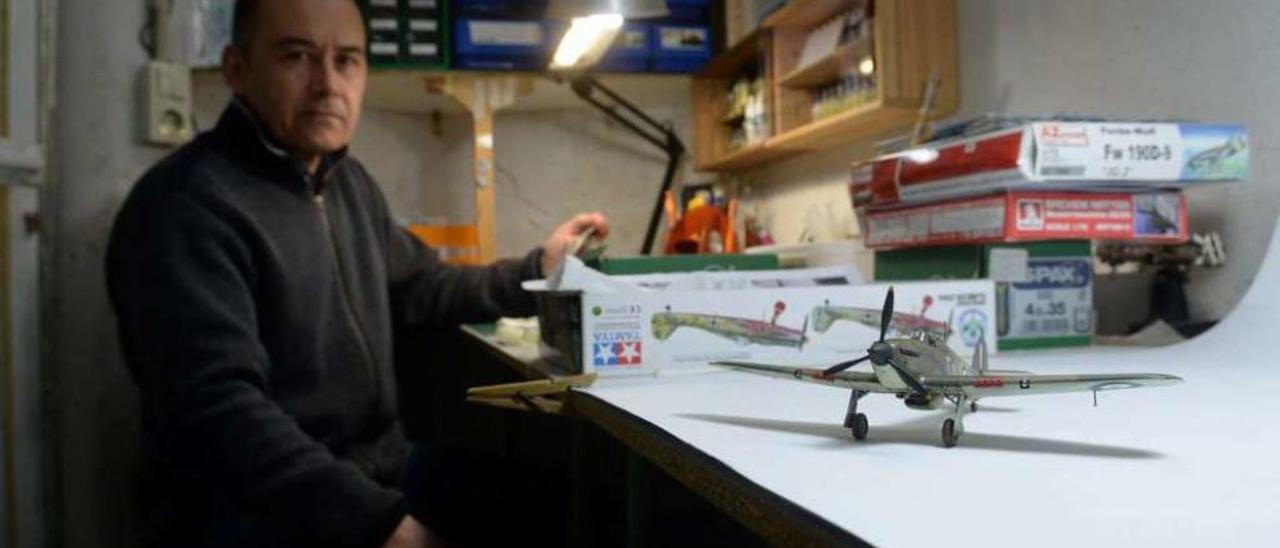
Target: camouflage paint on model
[926,374]
[902,323]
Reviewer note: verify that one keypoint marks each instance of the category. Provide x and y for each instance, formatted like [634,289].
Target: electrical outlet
[166,104]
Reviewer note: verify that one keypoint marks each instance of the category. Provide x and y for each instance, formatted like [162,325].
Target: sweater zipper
[347,307]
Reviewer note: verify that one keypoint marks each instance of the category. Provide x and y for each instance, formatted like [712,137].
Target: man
[256,275]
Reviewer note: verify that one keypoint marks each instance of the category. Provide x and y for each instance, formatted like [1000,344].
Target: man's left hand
[567,235]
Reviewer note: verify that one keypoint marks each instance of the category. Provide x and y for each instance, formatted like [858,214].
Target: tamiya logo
[618,353]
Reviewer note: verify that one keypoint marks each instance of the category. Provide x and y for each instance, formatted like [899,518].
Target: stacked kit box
[1053,155]
[1147,217]
[1044,290]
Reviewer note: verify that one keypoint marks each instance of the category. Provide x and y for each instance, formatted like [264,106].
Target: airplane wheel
[973,407]
[949,436]
[860,427]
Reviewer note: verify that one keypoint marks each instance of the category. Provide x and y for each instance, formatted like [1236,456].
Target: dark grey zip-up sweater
[255,306]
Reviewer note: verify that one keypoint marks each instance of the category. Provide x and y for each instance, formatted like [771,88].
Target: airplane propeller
[880,352]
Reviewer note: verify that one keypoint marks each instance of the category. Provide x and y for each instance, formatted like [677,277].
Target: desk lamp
[594,24]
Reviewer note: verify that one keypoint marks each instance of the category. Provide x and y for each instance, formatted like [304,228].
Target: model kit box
[615,266]
[1056,155]
[1153,217]
[645,332]
[1044,290]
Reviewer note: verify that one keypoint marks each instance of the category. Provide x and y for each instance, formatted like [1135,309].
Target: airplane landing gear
[953,427]
[949,434]
[860,427]
[853,420]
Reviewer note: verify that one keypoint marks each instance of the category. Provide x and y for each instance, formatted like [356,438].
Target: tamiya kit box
[645,332]
[1152,217]
[1058,155]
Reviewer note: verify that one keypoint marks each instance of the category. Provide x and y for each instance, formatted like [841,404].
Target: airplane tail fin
[978,365]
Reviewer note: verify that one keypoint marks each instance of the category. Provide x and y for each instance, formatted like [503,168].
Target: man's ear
[235,68]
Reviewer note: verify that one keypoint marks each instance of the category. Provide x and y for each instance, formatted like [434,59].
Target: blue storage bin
[680,47]
[529,10]
[631,51]
[482,44]
[690,11]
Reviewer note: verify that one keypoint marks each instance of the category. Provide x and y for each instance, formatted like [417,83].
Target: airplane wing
[857,380]
[1022,384]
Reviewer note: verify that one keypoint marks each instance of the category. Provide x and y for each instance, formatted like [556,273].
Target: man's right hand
[411,534]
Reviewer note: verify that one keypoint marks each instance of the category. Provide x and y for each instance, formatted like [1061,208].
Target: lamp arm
[656,133]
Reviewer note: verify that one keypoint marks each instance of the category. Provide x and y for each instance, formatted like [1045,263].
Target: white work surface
[1190,465]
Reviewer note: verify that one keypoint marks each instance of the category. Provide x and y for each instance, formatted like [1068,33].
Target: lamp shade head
[628,9]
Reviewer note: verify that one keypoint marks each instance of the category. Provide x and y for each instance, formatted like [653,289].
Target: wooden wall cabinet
[910,41]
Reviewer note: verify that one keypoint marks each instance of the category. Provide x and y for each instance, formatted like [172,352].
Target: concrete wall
[1136,58]
[94,420]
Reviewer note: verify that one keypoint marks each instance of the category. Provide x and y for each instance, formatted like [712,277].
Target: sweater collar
[240,131]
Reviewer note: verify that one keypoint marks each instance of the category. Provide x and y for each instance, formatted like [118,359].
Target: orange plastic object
[457,245]
[692,233]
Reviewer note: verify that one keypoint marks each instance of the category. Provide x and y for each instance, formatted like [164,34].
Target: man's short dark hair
[243,22]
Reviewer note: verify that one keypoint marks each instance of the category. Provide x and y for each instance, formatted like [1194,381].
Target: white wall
[551,164]
[554,164]
[1187,59]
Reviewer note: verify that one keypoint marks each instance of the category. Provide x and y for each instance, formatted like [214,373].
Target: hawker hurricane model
[926,375]
[743,331]
[903,323]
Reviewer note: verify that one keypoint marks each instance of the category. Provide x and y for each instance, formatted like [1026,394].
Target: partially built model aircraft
[743,331]
[927,375]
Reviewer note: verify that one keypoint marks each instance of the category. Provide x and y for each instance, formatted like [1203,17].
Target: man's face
[303,73]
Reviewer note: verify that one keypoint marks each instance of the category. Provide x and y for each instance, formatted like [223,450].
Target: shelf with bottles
[841,71]
[734,100]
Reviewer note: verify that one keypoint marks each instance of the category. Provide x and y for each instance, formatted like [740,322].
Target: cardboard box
[616,266]
[1079,156]
[503,45]
[647,332]
[1044,290]
[1156,217]
[680,47]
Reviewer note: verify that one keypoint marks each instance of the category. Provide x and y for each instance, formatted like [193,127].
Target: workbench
[1188,465]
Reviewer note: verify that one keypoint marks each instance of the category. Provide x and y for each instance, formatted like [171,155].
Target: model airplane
[740,330]
[926,375]
[1210,158]
[905,324]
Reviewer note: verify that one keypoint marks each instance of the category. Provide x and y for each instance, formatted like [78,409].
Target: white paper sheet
[1191,465]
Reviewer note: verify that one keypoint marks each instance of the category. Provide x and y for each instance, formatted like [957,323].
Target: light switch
[166,104]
